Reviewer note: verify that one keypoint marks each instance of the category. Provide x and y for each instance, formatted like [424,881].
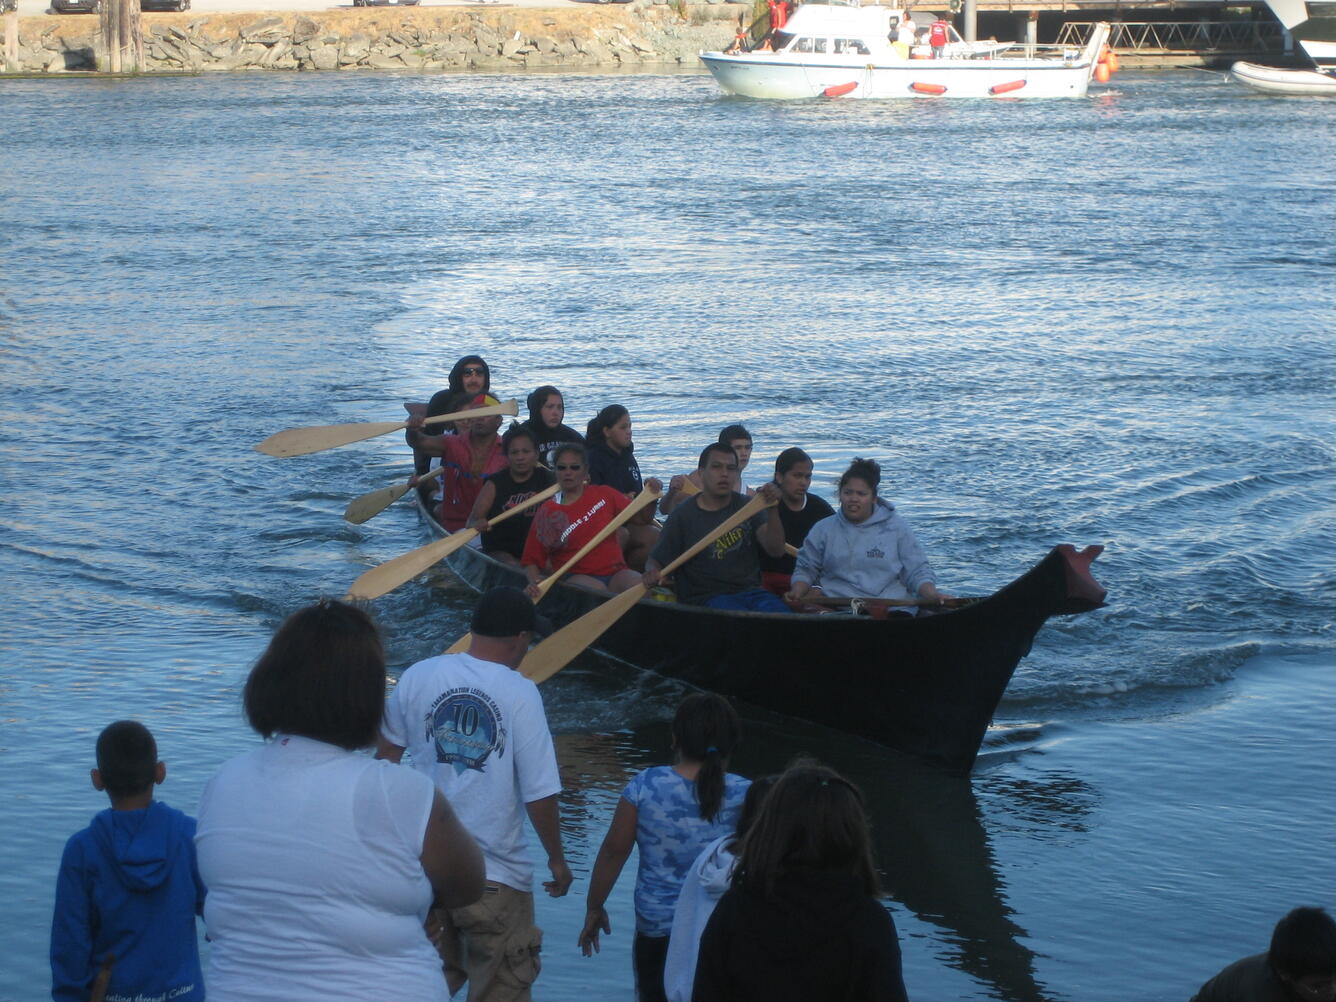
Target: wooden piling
[120,44]
[12,40]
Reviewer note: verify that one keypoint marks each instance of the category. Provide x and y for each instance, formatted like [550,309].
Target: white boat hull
[1270,80]
[786,77]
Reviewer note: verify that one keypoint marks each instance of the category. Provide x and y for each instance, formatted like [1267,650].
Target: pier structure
[1146,33]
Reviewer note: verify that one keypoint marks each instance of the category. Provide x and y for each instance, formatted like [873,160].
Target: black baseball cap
[506,612]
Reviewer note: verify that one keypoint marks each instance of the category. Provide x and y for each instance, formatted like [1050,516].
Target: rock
[389,51]
[545,44]
[303,30]
[355,49]
[276,52]
[412,58]
[55,64]
[326,57]
[264,26]
[378,62]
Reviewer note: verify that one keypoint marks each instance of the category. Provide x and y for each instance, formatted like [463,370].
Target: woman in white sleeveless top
[321,862]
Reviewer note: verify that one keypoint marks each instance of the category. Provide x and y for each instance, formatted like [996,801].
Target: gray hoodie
[877,558]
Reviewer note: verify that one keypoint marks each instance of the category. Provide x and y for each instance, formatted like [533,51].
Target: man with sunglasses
[469,377]
[1299,967]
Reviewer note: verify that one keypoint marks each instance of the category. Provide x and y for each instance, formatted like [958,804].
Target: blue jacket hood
[140,843]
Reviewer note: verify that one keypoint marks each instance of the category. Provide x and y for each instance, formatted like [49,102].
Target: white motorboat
[849,51]
[1313,25]
[1271,80]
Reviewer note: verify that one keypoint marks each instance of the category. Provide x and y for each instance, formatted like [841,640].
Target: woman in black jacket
[803,919]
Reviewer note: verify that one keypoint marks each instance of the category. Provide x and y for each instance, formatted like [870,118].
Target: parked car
[386,3]
[95,6]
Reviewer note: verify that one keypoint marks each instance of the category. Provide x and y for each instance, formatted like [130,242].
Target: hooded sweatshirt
[129,887]
[821,937]
[876,558]
[705,884]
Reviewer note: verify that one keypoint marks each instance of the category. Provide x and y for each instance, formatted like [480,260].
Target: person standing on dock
[477,727]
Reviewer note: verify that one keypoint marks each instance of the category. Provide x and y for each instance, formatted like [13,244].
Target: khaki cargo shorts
[493,945]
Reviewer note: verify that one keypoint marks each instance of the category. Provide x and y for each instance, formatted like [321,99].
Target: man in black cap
[476,726]
[1299,967]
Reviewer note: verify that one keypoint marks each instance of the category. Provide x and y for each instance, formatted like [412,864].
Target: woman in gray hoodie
[864,550]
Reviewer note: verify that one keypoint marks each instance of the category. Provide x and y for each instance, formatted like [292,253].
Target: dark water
[1099,321]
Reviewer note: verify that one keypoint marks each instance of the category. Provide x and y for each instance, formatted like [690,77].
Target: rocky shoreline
[398,38]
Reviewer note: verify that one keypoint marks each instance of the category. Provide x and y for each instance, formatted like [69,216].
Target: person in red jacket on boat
[467,459]
[938,35]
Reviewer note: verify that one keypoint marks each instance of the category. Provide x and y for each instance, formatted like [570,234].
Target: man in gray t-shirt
[727,575]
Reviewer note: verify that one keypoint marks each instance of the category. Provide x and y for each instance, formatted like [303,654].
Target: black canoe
[925,685]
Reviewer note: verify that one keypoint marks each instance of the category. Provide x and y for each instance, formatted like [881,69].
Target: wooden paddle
[390,575]
[98,992]
[302,441]
[372,503]
[639,501]
[556,652]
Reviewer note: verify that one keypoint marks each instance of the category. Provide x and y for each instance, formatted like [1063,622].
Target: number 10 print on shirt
[465,726]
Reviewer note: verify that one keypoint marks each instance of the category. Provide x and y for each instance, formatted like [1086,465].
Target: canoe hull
[927,685]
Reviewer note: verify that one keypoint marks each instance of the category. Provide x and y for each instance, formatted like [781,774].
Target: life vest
[937,34]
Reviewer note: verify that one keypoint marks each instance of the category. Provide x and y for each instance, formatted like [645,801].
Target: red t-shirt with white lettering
[559,530]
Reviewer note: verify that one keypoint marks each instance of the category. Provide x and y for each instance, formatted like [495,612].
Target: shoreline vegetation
[422,39]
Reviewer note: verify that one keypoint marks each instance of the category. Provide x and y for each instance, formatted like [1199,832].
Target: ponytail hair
[602,421]
[867,470]
[706,730]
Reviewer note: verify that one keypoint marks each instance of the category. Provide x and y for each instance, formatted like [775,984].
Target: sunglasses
[473,371]
[567,467]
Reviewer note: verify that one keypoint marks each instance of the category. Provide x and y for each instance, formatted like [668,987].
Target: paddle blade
[558,650]
[390,575]
[304,441]
[372,503]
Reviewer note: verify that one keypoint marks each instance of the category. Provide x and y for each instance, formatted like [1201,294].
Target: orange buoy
[839,90]
[1102,73]
[1103,53]
[1112,61]
[925,88]
[1007,87]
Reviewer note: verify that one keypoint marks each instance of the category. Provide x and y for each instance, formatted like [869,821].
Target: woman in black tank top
[520,480]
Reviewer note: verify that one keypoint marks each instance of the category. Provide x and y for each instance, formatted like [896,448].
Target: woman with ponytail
[670,813]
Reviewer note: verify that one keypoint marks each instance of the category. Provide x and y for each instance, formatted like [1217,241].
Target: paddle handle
[756,504]
[509,408]
[641,500]
[790,549]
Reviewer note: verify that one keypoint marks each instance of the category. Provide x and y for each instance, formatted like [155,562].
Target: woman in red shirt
[572,518]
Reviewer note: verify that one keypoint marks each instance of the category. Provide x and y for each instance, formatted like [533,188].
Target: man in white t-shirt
[477,727]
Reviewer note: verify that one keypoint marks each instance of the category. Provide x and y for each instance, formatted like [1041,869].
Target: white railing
[1182,36]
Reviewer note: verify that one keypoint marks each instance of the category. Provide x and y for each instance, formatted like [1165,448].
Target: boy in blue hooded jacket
[128,890]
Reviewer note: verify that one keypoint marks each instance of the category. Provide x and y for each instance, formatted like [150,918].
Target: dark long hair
[706,730]
[322,676]
[788,459]
[751,807]
[602,421]
[457,373]
[812,819]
